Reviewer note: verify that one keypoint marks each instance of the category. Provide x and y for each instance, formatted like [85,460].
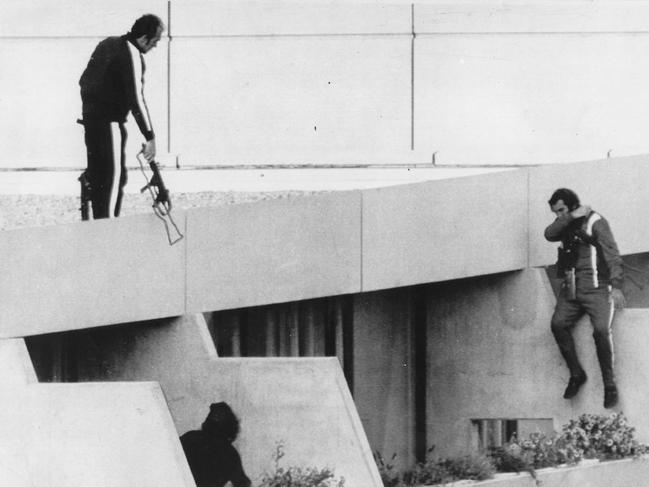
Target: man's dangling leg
[566,314]
[601,310]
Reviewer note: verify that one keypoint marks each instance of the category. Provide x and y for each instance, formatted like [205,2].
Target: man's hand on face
[618,298]
[583,210]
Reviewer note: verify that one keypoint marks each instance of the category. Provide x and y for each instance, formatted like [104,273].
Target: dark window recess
[490,433]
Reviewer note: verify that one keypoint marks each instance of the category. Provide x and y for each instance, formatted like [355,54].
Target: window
[490,433]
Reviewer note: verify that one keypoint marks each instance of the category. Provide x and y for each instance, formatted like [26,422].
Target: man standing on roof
[591,267]
[112,85]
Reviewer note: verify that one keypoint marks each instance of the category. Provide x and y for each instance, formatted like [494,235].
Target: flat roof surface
[244,180]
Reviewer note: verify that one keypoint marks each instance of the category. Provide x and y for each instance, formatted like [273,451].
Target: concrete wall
[492,355]
[384,373]
[275,251]
[444,230]
[83,434]
[303,402]
[44,51]
[349,82]
[302,247]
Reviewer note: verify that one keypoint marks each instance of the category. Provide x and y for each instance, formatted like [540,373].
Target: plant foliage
[298,476]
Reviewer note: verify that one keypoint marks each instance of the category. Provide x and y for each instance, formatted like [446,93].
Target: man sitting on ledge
[591,268]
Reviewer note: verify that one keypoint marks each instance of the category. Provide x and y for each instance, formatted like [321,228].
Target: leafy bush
[472,467]
[298,476]
[389,475]
[537,451]
[603,437]
[440,471]
[590,436]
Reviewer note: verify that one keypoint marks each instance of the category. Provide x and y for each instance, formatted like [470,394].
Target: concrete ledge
[620,473]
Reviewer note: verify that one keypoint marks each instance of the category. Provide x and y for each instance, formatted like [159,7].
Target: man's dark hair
[221,422]
[147,25]
[568,196]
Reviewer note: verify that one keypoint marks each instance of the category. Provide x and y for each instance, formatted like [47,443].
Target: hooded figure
[209,451]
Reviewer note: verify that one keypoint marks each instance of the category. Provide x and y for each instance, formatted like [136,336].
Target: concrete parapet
[303,247]
[442,230]
[273,251]
[89,274]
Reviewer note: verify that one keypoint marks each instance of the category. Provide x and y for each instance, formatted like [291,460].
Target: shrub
[389,475]
[603,437]
[440,471]
[298,476]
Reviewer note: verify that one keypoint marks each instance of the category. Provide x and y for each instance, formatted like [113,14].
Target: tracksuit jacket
[112,85]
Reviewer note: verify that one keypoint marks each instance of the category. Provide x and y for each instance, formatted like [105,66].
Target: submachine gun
[86,196]
[160,196]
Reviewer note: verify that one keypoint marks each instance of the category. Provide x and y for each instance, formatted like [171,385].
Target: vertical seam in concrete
[360,226]
[527,220]
[412,78]
[169,76]
[186,267]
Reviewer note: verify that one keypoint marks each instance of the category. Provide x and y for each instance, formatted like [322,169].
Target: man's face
[147,44]
[560,208]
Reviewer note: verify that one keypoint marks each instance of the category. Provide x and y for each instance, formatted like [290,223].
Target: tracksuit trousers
[106,172]
[597,304]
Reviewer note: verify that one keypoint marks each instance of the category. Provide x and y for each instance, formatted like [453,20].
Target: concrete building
[387,319]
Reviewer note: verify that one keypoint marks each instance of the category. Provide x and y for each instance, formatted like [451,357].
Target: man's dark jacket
[213,460]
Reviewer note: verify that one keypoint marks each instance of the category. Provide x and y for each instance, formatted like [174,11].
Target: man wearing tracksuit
[111,87]
[591,268]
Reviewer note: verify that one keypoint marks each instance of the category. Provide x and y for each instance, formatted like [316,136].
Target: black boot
[574,384]
[610,396]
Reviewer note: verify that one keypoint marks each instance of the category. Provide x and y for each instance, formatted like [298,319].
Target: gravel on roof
[30,210]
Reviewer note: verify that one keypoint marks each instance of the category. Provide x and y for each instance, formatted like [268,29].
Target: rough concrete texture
[492,355]
[58,435]
[303,402]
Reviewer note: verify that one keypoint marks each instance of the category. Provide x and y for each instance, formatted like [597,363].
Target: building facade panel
[290,100]
[443,230]
[273,251]
[205,18]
